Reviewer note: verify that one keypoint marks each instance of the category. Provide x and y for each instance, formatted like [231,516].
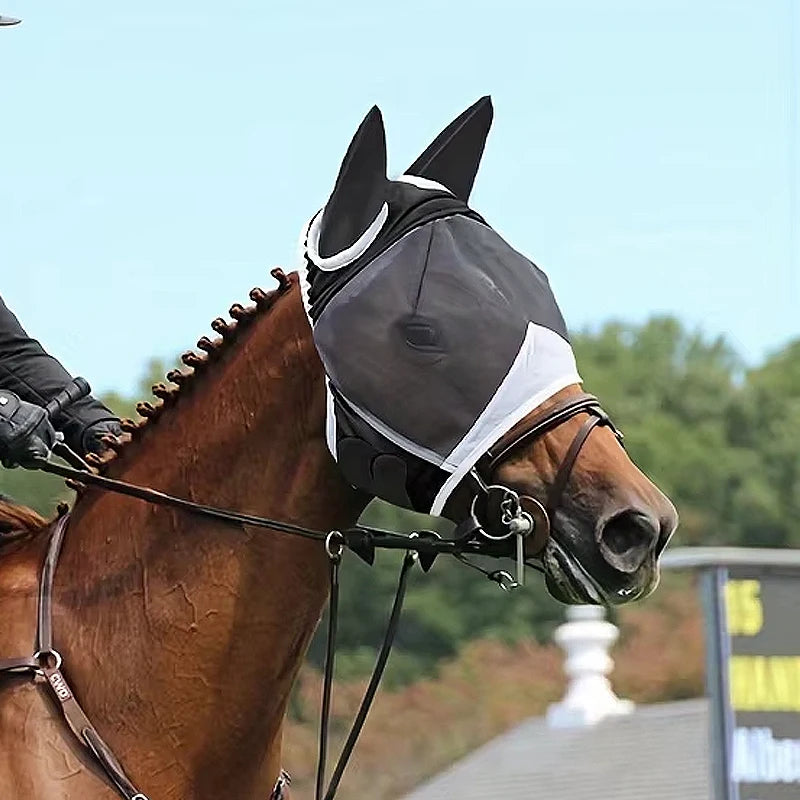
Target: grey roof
[659,752]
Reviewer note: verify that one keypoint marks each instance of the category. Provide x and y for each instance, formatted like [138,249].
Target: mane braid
[197,363]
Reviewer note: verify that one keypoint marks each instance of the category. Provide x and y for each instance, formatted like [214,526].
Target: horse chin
[570,582]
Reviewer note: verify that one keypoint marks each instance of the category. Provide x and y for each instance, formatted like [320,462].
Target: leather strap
[552,417]
[44,629]
[20,665]
[375,679]
[44,635]
[556,490]
[87,735]
[534,427]
[47,662]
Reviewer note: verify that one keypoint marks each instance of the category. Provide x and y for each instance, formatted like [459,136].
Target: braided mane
[196,365]
[18,521]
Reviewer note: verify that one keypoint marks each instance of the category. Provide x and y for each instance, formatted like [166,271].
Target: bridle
[497,515]
[508,514]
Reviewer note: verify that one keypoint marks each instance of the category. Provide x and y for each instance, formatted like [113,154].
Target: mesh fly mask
[437,337]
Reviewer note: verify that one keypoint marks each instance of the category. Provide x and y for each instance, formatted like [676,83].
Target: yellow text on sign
[765,683]
[743,606]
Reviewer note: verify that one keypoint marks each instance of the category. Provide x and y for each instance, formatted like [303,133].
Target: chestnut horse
[182,637]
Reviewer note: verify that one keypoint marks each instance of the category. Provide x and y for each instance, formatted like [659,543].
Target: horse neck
[205,624]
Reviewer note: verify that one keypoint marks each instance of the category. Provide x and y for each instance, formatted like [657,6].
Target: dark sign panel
[757,682]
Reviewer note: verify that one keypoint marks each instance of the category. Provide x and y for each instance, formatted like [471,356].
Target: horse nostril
[627,538]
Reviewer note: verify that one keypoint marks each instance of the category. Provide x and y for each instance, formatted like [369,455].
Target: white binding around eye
[350,254]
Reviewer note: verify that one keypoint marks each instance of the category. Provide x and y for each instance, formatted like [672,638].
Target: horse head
[442,343]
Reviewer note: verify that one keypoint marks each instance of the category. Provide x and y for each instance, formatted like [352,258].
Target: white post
[586,638]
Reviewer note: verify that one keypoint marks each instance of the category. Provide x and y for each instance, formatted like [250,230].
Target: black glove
[25,431]
[91,439]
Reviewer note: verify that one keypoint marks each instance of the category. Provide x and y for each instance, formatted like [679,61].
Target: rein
[497,514]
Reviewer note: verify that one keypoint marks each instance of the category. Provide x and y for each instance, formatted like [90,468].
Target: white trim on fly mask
[305,289]
[301,264]
[330,419]
[423,183]
[349,254]
[393,436]
[544,365]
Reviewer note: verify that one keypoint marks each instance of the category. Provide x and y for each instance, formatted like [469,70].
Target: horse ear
[360,190]
[454,156]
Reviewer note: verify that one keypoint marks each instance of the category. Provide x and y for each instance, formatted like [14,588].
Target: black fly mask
[437,337]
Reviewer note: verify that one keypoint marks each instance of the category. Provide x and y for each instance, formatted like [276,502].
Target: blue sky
[159,158]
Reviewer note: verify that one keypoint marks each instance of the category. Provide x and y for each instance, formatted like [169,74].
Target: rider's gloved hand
[92,436]
[25,431]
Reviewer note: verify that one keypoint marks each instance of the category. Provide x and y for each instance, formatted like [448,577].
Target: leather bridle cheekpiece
[497,515]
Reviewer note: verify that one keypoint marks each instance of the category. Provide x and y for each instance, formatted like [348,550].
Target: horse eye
[422,335]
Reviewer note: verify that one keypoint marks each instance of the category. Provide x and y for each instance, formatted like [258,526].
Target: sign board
[754,680]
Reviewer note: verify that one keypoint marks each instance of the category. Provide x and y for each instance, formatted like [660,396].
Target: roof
[660,752]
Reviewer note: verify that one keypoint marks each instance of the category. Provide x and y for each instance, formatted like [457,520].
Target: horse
[182,636]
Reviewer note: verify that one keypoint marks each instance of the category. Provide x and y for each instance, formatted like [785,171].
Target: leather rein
[497,515]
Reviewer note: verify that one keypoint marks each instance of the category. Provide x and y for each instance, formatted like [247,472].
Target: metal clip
[509,507]
[503,579]
[334,545]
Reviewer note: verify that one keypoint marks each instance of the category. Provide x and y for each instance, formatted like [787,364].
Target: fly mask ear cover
[436,336]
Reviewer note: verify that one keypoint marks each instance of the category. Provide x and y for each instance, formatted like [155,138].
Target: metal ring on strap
[41,655]
[509,494]
[334,545]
